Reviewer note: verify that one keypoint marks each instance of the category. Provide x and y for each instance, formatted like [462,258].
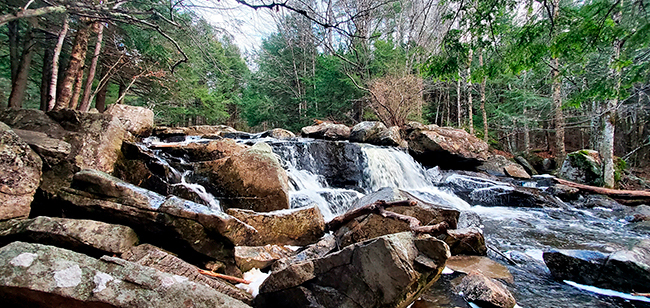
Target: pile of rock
[95,239]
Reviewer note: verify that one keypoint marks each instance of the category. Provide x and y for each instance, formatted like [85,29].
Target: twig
[222,276]
[511,261]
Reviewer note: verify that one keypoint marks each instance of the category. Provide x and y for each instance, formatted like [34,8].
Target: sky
[247,26]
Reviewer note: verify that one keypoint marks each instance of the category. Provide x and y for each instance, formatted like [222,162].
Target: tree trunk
[470,104]
[55,65]
[74,101]
[77,59]
[100,101]
[609,123]
[20,83]
[458,109]
[483,112]
[46,76]
[85,102]
[13,34]
[560,151]
[121,93]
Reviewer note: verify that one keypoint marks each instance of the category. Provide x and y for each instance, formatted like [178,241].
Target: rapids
[334,175]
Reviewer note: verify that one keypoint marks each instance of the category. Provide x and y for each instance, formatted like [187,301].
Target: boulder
[95,139]
[377,133]
[261,257]
[298,227]
[136,120]
[205,151]
[52,151]
[251,179]
[498,165]
[34,275]
[327,130]
[388,271]
[278,133]
[33,120]
[623,270]
[316,250]
[442,294]
[447,147]
[193,230]
[85,236]
[154,257]
[583,167]
[526,164]
[165,132]
[468,241]
[485,292]
[340,163]
[482,265]
[373,225]
[20,175]
[516,171]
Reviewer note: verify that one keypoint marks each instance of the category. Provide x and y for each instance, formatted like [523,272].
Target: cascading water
[334,175]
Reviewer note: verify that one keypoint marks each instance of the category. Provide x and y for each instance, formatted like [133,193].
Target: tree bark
[55,65]
[609,123]
[46,76]
[74,101]
[77,59]
[20,83]
[560,151]
[100,101]
[13,34]
[85,102]
[458,109]
[470,104]
[483,112]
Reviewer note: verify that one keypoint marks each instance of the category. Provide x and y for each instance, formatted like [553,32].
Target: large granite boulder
[327,130]
[447,147]
[298,227]
[251,179]
[582,166]
[499,165]
[175,133]
[190,229]
[278,133]
[388,271]
[624,270]
[154,257]
[485,292]
[52,151]
[20,175]
[373,225]
[33,120]
[205,151]
[136,120]
[249,257]
[85,236]
[377,133]
[34,275]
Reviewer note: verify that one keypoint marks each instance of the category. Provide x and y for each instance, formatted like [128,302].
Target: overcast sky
[246,25]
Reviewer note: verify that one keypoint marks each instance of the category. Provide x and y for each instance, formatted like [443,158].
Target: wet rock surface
[447,147]
[249,257]
[485,292]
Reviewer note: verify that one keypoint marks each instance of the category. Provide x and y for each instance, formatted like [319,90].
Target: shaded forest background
[545,76]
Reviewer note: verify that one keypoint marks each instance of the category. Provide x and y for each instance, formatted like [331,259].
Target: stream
[336,174]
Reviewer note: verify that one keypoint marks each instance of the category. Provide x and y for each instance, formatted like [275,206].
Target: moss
[620,165]
[584,160]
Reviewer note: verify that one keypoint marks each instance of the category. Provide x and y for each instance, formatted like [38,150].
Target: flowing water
[334,175]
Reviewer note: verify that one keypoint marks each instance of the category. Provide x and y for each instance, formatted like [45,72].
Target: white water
[199,191]
[608,292]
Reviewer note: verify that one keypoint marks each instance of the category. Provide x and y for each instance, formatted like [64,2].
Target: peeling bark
[55,65]
[77,58]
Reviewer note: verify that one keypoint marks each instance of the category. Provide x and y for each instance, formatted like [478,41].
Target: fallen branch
[379,207]
[225,277]
[641,294]
[627,197]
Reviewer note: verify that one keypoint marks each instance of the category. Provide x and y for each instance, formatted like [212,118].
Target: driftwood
[627,197]
[379,207]
[641,294]
[225,277]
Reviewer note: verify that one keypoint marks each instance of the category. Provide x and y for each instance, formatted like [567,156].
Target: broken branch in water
[225,277]
[379,207]
[627,197]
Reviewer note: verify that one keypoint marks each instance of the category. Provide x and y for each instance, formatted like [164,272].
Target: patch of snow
[447,271]
[607,292]
[256,277]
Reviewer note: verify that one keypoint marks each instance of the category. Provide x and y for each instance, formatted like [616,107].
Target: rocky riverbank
[93,215]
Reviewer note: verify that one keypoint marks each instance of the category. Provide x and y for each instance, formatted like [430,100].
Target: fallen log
[379,207]
[627,197]
[225,277]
